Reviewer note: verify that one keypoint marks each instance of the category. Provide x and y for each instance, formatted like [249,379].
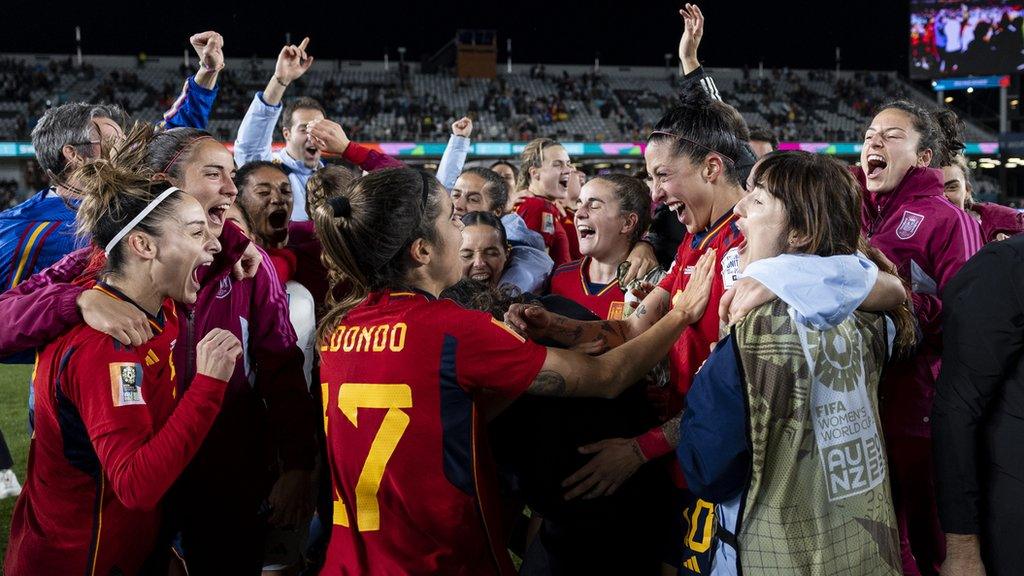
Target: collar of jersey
[410,293]
[157,322]
[702,239]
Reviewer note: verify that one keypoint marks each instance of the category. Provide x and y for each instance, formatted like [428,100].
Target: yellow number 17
[390,397]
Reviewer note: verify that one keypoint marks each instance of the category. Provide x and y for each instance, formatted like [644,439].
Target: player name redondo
[379,338]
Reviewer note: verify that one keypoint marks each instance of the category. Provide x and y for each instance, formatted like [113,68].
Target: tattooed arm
[598,335]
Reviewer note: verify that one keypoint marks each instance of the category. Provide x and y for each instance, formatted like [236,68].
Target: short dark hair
[764,134]
[243,173]
[301,103]
[495,187]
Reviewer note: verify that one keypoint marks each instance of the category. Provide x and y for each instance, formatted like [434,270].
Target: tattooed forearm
[671,430]
[663,307]
[566,331]
[548,383]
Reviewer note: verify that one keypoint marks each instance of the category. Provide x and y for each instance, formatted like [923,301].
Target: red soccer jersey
[110,437]
[694,346]
[607,301]
[543,217]
[572,235]
[400,383]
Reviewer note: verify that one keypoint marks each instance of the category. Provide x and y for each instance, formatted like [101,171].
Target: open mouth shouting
[216,214]
[876,165]
[278,218]
[680,210]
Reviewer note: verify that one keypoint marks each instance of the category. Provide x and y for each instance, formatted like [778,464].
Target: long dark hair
[696,127]
[366,229]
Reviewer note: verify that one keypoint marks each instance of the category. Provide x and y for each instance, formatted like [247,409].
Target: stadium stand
[374,104]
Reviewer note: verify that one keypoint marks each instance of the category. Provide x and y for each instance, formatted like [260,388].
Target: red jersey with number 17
[694,346]
[400,378]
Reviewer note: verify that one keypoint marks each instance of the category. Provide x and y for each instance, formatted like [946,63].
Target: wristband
[278,80]
[653,443]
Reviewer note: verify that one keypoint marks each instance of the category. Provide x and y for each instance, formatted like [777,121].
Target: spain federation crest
[909,225]
[126,383]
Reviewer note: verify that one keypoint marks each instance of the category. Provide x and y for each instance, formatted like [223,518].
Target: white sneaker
[9,485]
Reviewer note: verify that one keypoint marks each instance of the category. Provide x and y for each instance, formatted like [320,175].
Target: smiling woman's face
[890,150]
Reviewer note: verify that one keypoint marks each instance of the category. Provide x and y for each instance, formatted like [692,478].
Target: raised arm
[256,132]
[454,157]
[693,31]
[192,107]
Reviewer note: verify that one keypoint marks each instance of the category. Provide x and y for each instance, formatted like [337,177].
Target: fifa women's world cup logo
[126,383]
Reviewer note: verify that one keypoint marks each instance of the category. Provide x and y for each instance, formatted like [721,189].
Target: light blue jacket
[253,143]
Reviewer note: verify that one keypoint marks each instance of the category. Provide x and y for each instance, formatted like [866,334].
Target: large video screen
[966,38]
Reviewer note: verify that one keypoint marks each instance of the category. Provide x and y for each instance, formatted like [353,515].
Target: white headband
[141,216]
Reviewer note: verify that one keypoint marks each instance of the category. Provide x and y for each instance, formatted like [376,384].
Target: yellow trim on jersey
[506,328]
[28,250]
[583,280]
[711,235]
[152,323]
[99,526]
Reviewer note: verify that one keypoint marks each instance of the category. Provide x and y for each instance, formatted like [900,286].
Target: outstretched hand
[209,46]
[293,62]
[693,31]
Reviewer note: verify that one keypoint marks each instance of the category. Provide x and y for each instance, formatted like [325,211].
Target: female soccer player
[408,379]
[815,499]
[485,250]
[268,416]
[907,217]
[112,431]
[614,212]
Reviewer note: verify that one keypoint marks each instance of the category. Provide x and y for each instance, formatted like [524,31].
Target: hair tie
[341,206]
[138,218]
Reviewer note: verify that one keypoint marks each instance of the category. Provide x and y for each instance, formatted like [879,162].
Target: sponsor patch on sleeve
[548,223]
[126,383]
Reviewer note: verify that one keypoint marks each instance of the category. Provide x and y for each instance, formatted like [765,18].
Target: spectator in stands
[256,132]
[763,141]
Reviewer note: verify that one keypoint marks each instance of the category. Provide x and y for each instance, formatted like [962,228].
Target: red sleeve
[43,306]
[545,222]
[560,248]
[369,159]
[491,356]
[140,464]
[280,379]
[951,245]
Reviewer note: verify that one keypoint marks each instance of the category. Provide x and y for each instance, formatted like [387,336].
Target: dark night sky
[797,33]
